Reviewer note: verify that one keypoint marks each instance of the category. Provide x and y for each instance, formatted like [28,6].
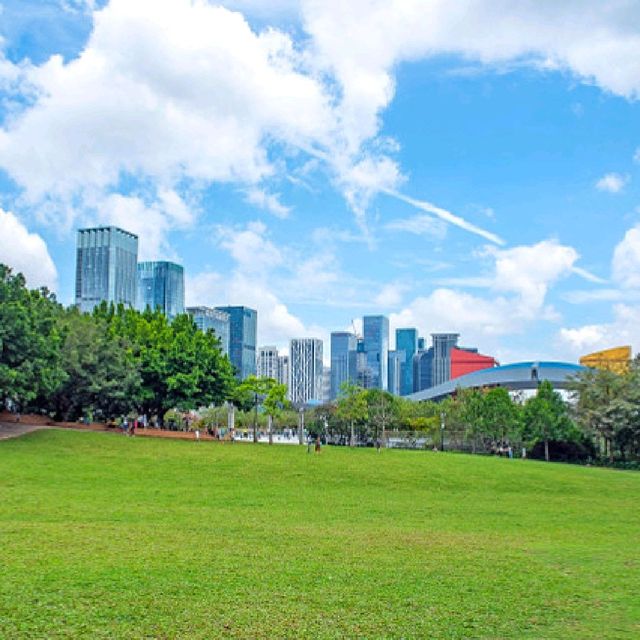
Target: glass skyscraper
[161,286]
[396,361]
[207,318]
[106,267]
[376,345]
[442,345]
[407,342]
[243,330]
[343,360]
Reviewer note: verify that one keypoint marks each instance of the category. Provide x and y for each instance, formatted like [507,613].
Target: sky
[470,166]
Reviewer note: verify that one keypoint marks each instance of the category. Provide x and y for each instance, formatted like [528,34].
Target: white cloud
[518,285]
[390,294]
[26,252]
[625,266]
[421,225]
[268,201]
[250,247]
[447,216]
[623,329]
[612,182]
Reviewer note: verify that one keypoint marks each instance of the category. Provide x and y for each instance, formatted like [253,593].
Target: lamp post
[301,426]
[255,417]
[442,431]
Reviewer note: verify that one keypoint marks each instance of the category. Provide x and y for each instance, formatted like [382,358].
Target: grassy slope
[103,536]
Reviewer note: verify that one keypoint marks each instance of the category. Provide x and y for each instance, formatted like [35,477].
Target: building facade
[207,319]
[267,364]
[465,361]
[305,358]
[283,372]
[106,267]
[443,343]
[376,346]
[396,363]
[243,330]
[161,286]
[343,361]
[407,342]
[423,370]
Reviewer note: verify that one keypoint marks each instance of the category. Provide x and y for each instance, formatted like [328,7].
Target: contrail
[447,216]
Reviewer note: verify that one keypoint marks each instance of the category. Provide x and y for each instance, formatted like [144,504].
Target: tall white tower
[306,369]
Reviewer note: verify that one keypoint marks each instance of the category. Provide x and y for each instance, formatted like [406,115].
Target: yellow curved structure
[616,359]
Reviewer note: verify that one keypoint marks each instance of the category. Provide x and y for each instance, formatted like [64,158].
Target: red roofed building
[465,361]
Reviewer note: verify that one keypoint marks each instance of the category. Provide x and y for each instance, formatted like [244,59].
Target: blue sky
[468,167]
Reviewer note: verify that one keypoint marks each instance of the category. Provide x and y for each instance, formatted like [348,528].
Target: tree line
[112,362]
[118,361]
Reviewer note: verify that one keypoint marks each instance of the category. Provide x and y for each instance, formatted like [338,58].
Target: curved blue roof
[518,375]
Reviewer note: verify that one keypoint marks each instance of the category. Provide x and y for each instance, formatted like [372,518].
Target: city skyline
[436,182]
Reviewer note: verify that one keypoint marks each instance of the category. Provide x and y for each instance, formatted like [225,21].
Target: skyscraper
[343,360]
[283,371]
[407,342]
[242,339]
[207,318]
[161,286]
[423,370]
[305,358]
[396,362]
[106,267]
[376,345]
[442,345]
[267,363]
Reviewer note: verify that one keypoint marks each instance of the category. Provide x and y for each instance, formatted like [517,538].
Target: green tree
[252,391]
[352,407]
[500,416]
[383,411]
[274,403]
[545,418]
[101,375]
[30,343]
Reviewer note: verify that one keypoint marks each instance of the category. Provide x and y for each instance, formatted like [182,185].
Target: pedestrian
[132,428]
[378,445]
[318,444]
[510,451]
[125,426]
[524,452]
[197,434]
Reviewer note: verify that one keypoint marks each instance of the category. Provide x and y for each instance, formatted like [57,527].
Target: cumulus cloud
[612,182]
[625,266]
[268,201]
[517,284]
[26,252]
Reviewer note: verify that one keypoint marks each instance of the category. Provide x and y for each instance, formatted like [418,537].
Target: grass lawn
[107,537]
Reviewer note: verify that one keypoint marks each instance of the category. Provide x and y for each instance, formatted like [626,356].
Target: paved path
[15,429]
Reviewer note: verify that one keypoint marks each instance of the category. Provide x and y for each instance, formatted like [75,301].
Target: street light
[442,430]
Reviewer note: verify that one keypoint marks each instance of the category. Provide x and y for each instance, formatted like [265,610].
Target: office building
[326,384]
[106,267]
[218,321]
[442,345]
[363,371]
[305,359]
[243,329]
[465,360]
[407,343]
[376,346]
[267,364]
[343,361]
[283,371]
[396,362]
[423,370]
[161,286]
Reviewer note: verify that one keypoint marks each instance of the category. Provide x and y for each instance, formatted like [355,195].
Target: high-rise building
[396,362]
[106,267]
[407,342]
[442,345]
[305,358]
[421,344]
[363,371]
[423,370]
[161,286]
[267,364]
[283,371]
[376,345]
[343,361]
[243,331]
[326,384]
[207,318]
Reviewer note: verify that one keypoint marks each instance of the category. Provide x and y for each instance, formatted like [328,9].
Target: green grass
[107,537]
